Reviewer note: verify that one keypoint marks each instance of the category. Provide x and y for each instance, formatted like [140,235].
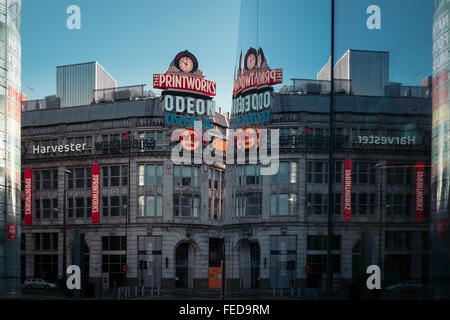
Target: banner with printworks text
[95,194]
[419,192]
[28,196]
[347,190]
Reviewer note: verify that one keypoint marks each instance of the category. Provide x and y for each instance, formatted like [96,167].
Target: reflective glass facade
[10,155]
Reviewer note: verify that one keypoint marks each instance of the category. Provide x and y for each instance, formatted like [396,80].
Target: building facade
[185,219]
[278,225]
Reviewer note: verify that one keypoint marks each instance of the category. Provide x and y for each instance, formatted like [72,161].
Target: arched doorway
[182,265]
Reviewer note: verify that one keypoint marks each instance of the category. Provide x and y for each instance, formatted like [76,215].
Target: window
[46,208]
[337,171]
[253,204]
[317,171]
[397,267]
[337,197]
[287,173]
[114,243]
[399,204]
[283,204]
[156,137]
[398,240]
[400,175]
[46,241]
[217,174]
[45,179]
[317,203]
[186,206]
[46,267]
[320,242]
[79,207]
[115,176]
[363,203]
[113,255]
[363,172]
[252,174]
[239,172]
[113,206]
[185,175]
[239,206]
[79,178]
[318,263]
[150,206]
[150,174]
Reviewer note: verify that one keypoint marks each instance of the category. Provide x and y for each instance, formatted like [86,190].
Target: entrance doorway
[254,264]
[182,265]
[249,264]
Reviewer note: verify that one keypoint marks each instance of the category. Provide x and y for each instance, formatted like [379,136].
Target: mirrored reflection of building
[381,154]
[10,99]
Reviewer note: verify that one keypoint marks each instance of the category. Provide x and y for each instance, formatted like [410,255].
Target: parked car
[36,283]
[406,285]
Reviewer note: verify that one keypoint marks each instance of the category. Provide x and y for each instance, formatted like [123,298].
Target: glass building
[10,156]
[341,56]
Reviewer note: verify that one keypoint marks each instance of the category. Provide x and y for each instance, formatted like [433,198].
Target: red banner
[12,231]
[419,198]
[28,196]
[347,190]
[95,194]
[440,228]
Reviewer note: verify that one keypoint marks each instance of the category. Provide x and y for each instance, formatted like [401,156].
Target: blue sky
[135,38]
[131,39]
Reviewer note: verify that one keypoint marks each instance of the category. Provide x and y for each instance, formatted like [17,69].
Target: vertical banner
[347,190]
[440,228]
[12,231]
[419,197]
[95,194]
[28,196]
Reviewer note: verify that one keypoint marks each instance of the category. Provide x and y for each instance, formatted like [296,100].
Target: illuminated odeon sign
[252,90]
[187,95]
[191,106]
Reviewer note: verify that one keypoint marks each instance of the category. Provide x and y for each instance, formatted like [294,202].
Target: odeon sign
[187,95]
[252,90]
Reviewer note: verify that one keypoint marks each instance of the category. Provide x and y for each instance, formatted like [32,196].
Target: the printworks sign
[252,90]
[187,95]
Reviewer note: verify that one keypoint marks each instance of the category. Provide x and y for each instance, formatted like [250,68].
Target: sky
[135,38]
[131,39]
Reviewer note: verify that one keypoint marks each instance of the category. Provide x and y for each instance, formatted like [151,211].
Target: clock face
[251,61]
[186,64]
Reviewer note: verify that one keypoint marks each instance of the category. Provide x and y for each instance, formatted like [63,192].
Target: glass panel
[150,206]
[150,175]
